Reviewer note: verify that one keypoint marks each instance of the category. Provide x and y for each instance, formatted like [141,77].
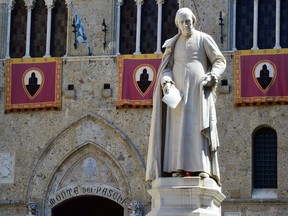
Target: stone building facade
[94,153]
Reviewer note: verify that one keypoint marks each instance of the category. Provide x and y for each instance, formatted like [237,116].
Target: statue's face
[185,24]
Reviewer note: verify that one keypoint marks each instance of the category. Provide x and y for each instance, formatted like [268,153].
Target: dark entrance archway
[88,206]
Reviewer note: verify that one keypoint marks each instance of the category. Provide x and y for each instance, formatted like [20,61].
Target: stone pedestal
[191,196]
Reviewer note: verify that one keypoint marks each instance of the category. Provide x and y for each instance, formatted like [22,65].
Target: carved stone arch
[261,127]
[90,137]
[108,181]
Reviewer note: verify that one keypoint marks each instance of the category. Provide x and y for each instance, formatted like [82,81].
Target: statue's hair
[185,11]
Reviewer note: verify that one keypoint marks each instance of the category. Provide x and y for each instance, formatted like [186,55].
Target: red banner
[33,83]
[137,75]
[260,77]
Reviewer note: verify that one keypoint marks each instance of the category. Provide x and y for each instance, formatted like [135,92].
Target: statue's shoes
[204,175]
[178,174]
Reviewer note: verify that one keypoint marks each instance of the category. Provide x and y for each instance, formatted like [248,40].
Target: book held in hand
[173,98]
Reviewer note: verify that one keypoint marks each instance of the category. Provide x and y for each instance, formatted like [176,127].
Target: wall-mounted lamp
[221,26]
[104,29]
[75,33]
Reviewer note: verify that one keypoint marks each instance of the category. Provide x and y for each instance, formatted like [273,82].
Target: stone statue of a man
[184,140]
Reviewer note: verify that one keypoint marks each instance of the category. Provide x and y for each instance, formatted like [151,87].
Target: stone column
[255,26]
[277,30]
[234,26]
[119,4]
[180,3]
[188,196]
[49,4]
[138,27]
[29,5]
[159,25]
[10,8]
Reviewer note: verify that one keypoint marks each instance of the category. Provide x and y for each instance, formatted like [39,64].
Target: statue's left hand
[209,80]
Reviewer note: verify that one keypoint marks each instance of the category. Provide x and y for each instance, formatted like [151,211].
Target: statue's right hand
[166,88]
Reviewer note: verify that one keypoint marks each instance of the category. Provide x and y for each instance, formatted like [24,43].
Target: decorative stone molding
[31,208]
[136,208]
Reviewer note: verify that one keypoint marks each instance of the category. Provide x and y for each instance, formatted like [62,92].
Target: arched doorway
[88,206]
[70,178]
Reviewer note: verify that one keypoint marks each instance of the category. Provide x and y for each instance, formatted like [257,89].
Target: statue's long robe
[188,133]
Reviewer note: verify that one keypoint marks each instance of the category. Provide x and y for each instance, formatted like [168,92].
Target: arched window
[38,29]
[284,24]
[39,44]
[149,27]
[148,11]
[266,24]
[59,29]
[265,158]
[128,27]
[168,27]
[244,24]
[18,30]
[260,24]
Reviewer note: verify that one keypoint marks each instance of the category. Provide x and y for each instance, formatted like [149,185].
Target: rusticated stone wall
[43,152]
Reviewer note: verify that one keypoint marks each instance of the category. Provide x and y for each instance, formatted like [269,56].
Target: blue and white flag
[80,36]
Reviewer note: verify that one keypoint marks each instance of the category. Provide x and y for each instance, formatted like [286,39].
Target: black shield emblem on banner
[264,74]
[32,81]
[144,78]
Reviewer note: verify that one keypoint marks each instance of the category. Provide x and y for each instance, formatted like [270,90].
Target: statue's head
[185,20]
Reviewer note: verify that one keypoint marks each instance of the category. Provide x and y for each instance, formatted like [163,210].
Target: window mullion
[255,26]
[234,26]
[119,4]
[138,26]
[10,7]
[29,6]
[48,35]
[159,25]
[277,30]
